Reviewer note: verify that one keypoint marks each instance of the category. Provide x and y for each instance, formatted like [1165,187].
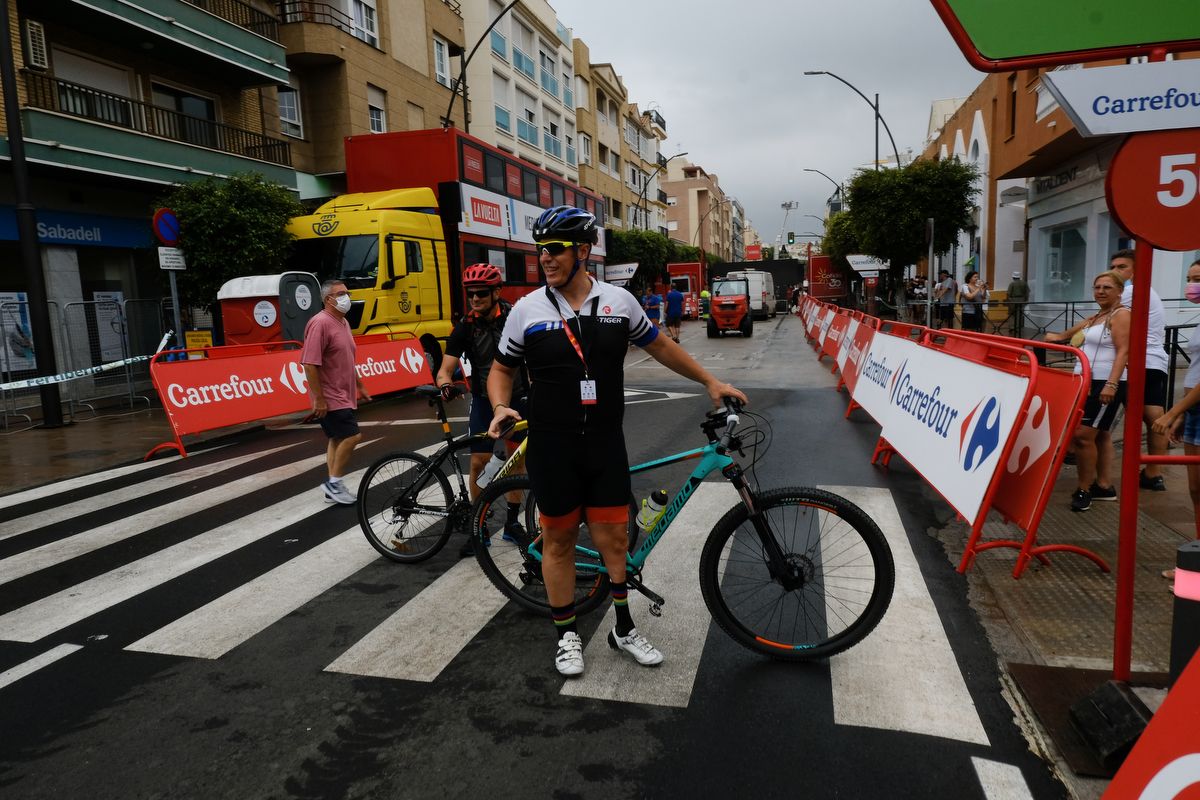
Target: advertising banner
[826,320]
[16,351]
[484,213]
[1128,98]
[217,392]
[950,418]
[847,339]
[110,325]
[832,343]
[754,252]
[854,353]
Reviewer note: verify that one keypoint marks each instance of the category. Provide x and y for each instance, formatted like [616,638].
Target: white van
[762,291]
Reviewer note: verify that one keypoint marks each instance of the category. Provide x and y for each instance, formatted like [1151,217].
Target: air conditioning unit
[37,54]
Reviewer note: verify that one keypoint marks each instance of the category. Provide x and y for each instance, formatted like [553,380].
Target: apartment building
[699,213]
[521,83]
[363,66]
[1042,208]
[118,104]
[601,96]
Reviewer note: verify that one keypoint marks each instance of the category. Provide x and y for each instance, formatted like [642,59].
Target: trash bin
[268,308]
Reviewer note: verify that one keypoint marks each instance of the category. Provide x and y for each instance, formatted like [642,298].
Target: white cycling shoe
[569,660]
[637,646]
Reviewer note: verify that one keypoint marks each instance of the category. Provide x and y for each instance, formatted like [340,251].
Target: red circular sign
[1153,188]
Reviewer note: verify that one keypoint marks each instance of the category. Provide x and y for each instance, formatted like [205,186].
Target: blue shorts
[481,418]
[1189,432]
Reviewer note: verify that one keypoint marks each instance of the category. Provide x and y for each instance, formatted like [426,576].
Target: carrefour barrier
[244,383]
[972,413]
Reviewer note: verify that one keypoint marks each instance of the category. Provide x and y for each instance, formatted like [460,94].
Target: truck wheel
[747,326]
[713,333]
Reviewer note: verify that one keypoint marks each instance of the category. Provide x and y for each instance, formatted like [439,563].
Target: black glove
[449,391]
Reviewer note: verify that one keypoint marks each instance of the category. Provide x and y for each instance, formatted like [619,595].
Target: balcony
[657,121]
[571,158]
[79,127]
[523,62]
[553,145]
[229,40]
[503,119]
[550,83]
[662,197]
[527,132]
[500,45]
[568,96]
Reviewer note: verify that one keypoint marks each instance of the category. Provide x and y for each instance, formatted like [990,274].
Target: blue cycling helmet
[567,224]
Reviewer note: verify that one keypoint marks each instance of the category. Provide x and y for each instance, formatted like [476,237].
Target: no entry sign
[1153,188]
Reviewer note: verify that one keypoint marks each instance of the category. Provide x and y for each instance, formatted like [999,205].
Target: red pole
[1131,462]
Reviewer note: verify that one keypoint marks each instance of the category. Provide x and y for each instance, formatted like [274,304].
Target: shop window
[1063,273]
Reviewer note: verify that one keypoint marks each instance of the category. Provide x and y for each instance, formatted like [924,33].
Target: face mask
[342,303]
[1192,290]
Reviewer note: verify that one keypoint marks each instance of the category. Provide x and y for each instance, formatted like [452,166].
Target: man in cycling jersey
[572,336]
[476,336]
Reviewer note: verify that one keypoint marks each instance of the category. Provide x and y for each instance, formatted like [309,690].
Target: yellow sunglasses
[554,248]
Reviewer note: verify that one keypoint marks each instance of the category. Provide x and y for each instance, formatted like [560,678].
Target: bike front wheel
[836,585]
[404,506]
[505,551]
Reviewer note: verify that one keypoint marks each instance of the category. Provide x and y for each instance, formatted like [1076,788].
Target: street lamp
[646,186]
[461,80]
[840,194]
[814,216]
[874,106]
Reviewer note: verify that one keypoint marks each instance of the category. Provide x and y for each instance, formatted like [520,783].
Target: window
[289,111]
[582,91]
[585,149]
[441,61]
[194,118]
[1064,263]
[559,194]
[412,257]
[376,109]
[493,170]
[601,107]
[616,164]
[527,128]
[568,97]
[529,187]
[522,47]
[500,94]
[1012,105]
[603,158]
[616,211]
[363,12]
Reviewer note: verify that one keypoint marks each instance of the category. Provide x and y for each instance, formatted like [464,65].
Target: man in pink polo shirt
[333,384]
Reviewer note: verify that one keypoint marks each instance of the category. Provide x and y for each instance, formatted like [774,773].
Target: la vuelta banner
[215,392]
[950,418]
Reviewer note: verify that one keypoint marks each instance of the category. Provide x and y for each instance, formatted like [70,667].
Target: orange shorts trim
[568,520]
[608,514]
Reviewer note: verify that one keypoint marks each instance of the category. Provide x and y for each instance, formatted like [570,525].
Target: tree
[888,209]
[228,228]
[651,251]
[768,253]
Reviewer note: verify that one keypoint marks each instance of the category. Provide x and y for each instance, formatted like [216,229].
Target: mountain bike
[406,505]
[794,573]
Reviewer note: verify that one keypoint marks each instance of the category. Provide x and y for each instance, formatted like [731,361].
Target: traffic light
[791,237]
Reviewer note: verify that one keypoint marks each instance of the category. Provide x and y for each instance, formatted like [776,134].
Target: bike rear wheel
[840,581]
[404,505]
[508,562]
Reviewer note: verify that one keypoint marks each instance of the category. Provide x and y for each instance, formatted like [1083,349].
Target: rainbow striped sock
[564,619]
[620,598]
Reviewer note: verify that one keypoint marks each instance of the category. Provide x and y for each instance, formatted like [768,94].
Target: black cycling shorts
[569,472]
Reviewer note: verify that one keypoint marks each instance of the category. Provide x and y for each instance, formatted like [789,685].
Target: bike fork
[777,564]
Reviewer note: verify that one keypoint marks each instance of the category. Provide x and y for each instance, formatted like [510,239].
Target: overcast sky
[728,78]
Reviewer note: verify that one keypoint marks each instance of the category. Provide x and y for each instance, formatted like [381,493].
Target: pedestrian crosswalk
[428,632]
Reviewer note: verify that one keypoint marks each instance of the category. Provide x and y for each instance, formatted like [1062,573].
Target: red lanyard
[567,328]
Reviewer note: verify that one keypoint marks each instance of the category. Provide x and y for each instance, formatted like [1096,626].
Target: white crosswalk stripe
[1000,781]
[37,662]
[37,493]
[907,659]
[52,516]
[52,553]
[671,571]
[43,617]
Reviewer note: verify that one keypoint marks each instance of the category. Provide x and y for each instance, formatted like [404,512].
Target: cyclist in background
[573,337]
[476,336]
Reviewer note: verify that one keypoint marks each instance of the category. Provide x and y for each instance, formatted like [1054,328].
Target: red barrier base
[853,405]
[175,445]
[1029,551]
[883,452]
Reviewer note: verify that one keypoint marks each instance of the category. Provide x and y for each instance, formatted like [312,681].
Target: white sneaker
[636,645]
[569,659]
[337,493]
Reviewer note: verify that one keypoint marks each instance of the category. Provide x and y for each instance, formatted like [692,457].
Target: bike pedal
[655,610]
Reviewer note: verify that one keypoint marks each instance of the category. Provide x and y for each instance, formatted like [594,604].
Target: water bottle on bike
[652,509]
[489,470]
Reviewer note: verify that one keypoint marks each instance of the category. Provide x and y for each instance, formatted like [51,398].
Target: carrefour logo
[924,405]
[877,372]
[980,434]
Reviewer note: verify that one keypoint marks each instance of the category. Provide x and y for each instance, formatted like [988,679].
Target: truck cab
[389,249]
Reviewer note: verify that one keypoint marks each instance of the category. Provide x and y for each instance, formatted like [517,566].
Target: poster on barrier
[826,321]
[851,328]
[110,326]
[218,392]
[949,418]
[856,351]
[16,351]
[833,338]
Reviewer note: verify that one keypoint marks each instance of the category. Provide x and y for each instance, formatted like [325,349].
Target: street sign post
[1022,34]
[1153,188]
[1129,98]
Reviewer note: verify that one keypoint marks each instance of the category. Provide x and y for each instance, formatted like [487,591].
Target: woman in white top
[1104,340]
[974,294]
[1182,420]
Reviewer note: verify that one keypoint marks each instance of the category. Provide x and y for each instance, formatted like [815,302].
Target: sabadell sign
[1128,98]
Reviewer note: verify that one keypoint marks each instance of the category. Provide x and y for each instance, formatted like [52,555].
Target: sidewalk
[1057,617]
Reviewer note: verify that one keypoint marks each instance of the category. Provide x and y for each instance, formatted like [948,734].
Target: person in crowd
[1104,340]
[1018,296]
[705,299]
[945,293]
[1181,422]
[476,336]
[901,298]
[652,302]
[674,312]
[1157,363]
[334,387]
[572,337]
[974,295]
